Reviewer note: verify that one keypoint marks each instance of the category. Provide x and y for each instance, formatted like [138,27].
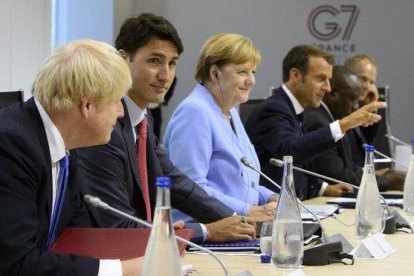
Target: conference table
[398,263]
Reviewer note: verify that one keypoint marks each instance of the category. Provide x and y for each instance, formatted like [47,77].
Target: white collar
[136,114]
[296,105]
[54,138]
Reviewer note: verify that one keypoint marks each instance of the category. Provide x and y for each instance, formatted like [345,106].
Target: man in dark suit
[275,126]
[365,67]
[336,162]
[342,101]
[151,47]
[76,103]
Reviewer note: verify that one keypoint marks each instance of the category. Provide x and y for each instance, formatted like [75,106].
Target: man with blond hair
[75,103]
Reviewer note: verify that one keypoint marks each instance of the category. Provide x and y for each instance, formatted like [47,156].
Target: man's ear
[123,54]
[85,107]
[295,74]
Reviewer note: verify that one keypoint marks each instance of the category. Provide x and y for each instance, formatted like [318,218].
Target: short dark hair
[298,58]
[342,78]
[136,32]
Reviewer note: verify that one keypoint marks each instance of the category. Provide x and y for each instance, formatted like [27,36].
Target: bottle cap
[369,148]
[163,181]
[264,259]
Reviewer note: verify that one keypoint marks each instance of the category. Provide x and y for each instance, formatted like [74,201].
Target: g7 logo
[322,28]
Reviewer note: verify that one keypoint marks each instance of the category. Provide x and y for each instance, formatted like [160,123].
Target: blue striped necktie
[61,190]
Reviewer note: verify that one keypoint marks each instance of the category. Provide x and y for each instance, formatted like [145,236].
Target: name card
[373,247]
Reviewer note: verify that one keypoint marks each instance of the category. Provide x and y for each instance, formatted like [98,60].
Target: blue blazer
[110,172]
[26,199]
[275,131]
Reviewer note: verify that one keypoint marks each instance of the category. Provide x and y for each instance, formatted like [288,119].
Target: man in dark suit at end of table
[275,126]
[365,67]
[151,47]
[77,99]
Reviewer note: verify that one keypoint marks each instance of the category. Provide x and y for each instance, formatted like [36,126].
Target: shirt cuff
[323,188]
[204,230]
[110,267]
[336,131]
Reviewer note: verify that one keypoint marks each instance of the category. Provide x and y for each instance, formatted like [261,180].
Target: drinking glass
[266,238]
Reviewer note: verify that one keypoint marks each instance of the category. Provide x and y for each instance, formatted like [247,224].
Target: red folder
[109,243]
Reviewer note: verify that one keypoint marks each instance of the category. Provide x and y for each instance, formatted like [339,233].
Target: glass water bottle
[287,235]
[409,185]
[161,255]
[368,218]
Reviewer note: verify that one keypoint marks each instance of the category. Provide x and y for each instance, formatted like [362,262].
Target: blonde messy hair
[225,48]
[81,69]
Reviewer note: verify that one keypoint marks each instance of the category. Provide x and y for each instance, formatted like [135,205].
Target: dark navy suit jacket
[26,199]
[337,162]
[110,172]
[275,130]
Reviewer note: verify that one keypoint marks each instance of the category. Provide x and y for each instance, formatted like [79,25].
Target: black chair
[272,90]
[381,142]
[245,109]
[10,97]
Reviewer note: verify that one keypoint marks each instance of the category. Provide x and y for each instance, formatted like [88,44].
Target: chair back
[381,142]
[245,109]
[10,97]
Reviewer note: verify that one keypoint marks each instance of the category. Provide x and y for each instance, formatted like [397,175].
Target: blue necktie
[61,190]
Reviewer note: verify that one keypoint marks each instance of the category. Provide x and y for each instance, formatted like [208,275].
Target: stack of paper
[321,211]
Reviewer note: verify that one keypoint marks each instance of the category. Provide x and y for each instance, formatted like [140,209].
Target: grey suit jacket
[110,172]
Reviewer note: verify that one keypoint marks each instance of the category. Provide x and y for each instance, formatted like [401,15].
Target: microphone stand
[386,156]
[397,140]
[325,237]
[97,202]
[322,254]
[391,223]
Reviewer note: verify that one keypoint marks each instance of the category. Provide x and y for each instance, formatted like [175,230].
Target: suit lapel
[342,142]
[128,136]
[33,113]
[289,103]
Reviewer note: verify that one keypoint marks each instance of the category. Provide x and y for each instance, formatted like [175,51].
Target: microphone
[321,254]
[395,139]
[393,221]
[386,156]
[279,163]
[247,163]
[98,203]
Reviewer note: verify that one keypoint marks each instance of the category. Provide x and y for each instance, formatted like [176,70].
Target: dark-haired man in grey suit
[151,47]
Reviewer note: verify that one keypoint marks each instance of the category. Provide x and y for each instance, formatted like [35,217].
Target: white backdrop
[25,27]
[381,28]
